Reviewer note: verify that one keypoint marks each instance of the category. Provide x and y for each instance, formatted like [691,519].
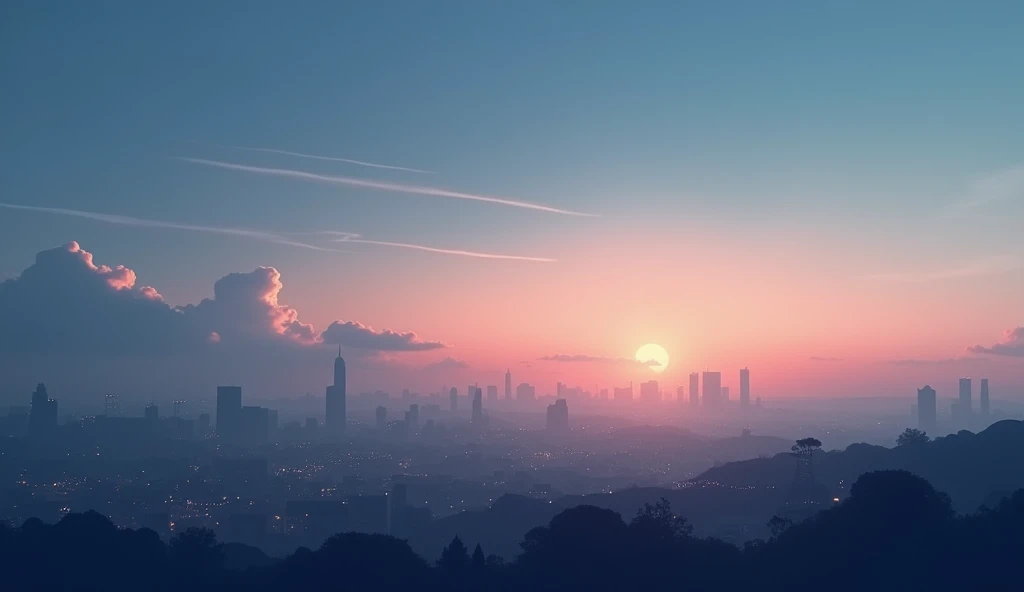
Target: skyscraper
[151,412]
[229,412]
[649,391]
[680,395]
[478,405]
[112,405]
[453,397]
[623,394]
[712,389]
[526,392]
[334,417]
[382,417]
[508,384]
[983,398]
[694,389]
[412,418]
[926,409]
[492,393]
[42,417]
[745,387]
[558,416]
[965,397]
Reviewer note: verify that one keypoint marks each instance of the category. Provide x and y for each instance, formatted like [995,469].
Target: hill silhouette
[894,532]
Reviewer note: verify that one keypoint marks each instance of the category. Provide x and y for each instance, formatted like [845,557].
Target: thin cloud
[1012,344]
[145,223]
[378,185]
[825,359]
[364,163]
[979,267]
[578,358]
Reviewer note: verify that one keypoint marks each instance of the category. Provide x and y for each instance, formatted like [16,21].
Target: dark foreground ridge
[895,531]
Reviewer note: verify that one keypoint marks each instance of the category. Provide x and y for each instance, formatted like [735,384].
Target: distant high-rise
[453,397]
[112,405]
[382,417]
[508,384]
[334,417]
[412,418]
[478,405]
[558,416]
[694,389]
[152,412]
[204,424]
[255,425]
[926,414]
[649,391]
[623,394]
[745,387]
[712,389]
[179,407]
[680,395]
[229,412]
[526,392]
[983,398]
[42,418]
[492,393]
[965,397]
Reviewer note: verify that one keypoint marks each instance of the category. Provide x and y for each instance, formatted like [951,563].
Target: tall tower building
[453,397]
[558,416]
[478,405]
[745,387]
[983,398]
[694,389]
[229,412]
[112,405]
[334,417]
[508,385]
[926,409]
[965,396]
[649,391]
[492,393]
[42,417]
[680,395]
[712,388]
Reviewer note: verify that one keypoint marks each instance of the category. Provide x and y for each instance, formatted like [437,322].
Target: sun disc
[654,355]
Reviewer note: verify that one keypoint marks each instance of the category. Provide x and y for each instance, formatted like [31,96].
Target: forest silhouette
[894,531]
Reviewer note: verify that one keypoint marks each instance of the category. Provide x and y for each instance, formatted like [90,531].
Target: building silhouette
[382,417]
[412,418]
[558,416]
[453,398]
[112,405]
[623,394]
[712,389]
[962,410]
[744,387]
[926,409]
[694,390]
[478,405]
[151,412]
[680,395]
[334,416]
[42,418]
[255,425]
[526,392]
[492,393]
[983,402]
[229,412]
[649,391]
[508,384]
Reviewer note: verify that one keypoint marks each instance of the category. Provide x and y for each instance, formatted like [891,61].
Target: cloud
[245,307]
[262,235]
[1012,344]
[596,360]
[379,185]
[992,265]
[65,302]
[333,159]
[358,336]
[939,362]
[1005,184]
[824,359]
[448,363]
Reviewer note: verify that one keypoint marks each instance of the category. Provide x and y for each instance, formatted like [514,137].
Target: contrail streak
[131,221]
[374,165]
[379,185]
[271,237]
[445,251]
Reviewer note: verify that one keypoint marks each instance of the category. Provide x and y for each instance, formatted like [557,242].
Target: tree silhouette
[196,550]
[778,525]
[479,562]
[912,437]
[454,557]
[658,521]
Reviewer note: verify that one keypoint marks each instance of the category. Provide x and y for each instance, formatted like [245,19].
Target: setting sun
[653,352]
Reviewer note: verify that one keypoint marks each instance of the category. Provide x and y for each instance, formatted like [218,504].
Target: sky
[827,193]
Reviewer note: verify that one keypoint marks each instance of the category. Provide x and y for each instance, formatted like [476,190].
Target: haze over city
[462,274]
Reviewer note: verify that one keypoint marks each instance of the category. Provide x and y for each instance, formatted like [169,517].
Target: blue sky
[843,133]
